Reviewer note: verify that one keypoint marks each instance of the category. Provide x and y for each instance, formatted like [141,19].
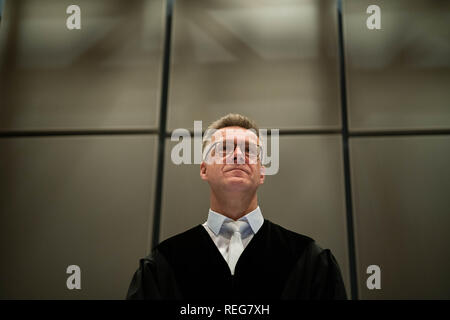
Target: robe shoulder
[181,242]
[153,280]
[315,276]
[315,273]
[295,242]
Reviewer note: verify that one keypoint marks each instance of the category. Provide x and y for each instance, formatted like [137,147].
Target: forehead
[235,133]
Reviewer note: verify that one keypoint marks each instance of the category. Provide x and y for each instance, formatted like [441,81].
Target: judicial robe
[276,264]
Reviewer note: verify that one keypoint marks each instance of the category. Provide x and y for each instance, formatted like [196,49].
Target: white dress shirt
[222,238]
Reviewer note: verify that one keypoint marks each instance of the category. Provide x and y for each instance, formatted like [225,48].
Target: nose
[238,156]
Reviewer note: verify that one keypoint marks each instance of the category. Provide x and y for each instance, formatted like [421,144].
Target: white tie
[236,246]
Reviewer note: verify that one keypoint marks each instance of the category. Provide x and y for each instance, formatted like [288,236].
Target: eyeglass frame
[260,155]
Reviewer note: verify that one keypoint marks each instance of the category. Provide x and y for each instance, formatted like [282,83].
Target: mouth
[239,169]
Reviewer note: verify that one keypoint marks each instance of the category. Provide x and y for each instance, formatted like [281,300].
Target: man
[236,253]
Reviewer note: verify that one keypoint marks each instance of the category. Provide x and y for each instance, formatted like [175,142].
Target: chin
[237,185]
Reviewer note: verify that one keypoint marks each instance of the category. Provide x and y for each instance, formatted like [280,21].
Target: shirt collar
[254,218]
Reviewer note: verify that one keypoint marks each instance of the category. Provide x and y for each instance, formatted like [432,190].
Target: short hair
[230,120]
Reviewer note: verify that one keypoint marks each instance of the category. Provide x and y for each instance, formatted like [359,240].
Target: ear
[262,174]
[203,174]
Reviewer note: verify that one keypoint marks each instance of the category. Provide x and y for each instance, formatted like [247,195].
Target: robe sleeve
[328,283]
[153,280]
[316,276]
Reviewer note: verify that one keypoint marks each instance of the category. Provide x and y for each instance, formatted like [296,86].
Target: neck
[234,205]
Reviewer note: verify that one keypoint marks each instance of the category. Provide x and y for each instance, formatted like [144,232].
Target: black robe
[276,264]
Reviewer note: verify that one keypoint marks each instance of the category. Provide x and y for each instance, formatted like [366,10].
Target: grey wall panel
[185,201]
[105,75]
[274,61]
[401,209]
[85,201]
[398,77]
[306,195]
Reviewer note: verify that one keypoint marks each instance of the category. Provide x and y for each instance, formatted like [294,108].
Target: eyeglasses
[224,149]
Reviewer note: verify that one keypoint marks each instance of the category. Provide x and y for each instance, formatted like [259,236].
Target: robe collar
[254,218]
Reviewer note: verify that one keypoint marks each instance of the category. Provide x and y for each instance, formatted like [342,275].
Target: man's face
[232,164]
